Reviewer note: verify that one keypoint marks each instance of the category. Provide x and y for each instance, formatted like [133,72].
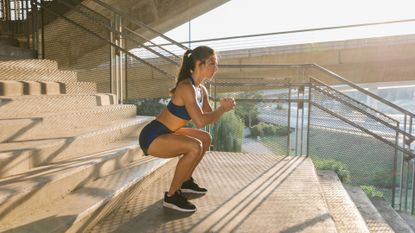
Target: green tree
[228,133]
[248,110]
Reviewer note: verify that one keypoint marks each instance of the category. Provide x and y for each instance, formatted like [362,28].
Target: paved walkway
[250,145]
[247,193]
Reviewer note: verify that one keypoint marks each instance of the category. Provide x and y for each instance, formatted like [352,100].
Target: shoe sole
[191,191]
[175,207]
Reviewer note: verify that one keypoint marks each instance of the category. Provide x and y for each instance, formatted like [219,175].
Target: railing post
[42,32]
[125,75]
[118,60]
[302,117]
[34,32]
[27,24]
[208,128]
[121,60]
[395,164]
[214,107]
[413,186]
[297,121]
[113,71]
[406,185]
[308,119]
[289,120]
[401,182]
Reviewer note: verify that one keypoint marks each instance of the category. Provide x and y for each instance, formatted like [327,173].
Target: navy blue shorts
[150,132]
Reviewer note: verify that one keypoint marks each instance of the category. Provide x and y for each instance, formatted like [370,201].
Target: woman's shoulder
[184,85]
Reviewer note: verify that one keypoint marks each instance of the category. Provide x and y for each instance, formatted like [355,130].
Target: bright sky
[243,17]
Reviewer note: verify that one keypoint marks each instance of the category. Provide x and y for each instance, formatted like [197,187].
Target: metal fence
[364,145]
[97,46]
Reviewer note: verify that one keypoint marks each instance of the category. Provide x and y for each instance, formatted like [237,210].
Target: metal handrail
[407,153]
[151,42]
[227,84]
[107,41]
[384,101]
[391,137]
[133,20]
[332,74]
[395,128]
[364,105]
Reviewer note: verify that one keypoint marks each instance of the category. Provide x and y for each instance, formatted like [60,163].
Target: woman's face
[210,67]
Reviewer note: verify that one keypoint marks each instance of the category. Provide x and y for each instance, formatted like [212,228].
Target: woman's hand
[227,104]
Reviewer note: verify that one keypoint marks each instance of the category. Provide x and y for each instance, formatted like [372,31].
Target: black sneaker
[191,187]
[178,202]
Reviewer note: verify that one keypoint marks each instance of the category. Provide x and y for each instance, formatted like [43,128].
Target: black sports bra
[180,111]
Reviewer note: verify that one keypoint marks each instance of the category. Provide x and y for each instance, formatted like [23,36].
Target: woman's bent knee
[195,148]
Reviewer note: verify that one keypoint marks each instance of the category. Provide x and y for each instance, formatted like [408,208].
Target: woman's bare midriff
[170,121]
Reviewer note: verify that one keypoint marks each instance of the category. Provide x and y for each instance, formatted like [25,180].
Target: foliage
[340,168]
[228,133]
[369,160]
[265,129]
[371,191]
[247,110]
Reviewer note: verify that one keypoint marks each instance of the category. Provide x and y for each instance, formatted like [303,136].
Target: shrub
[371,191]
[340,168]
[265,129]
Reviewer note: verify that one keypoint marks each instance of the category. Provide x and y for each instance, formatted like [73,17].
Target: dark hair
[201,53]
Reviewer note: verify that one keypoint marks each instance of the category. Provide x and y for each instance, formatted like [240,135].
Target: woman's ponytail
[190,57]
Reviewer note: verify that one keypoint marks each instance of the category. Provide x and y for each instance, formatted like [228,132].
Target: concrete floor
[247,193]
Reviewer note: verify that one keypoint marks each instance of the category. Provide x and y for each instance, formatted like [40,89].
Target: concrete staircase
[67,153]
[251,192]
[70,162]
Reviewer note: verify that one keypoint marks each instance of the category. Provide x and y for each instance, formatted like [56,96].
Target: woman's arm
[206,106]
[186,92]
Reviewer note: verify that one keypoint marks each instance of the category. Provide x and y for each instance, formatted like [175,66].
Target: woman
[165,136]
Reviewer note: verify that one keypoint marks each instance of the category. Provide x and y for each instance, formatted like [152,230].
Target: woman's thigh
[172,145]
[196,133]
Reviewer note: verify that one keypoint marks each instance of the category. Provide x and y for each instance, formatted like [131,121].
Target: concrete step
[20,157]
[344,212]
[62,124]
[27,191]
[39,64]
[79,210]
[409,219]
[394,220]
[27,106]
[30,74]
[370,214]
[19,88]
[79,88]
